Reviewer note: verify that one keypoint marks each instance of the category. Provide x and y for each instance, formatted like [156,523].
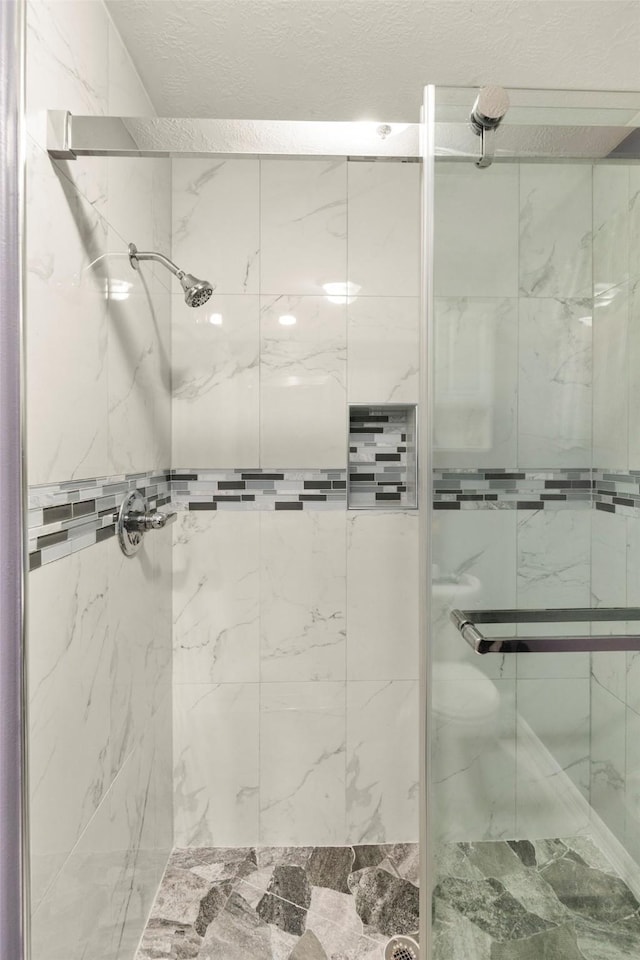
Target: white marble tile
[473,763]
[553,570]
[67,68]
[476,230]
[474,566]
[302,595]
[216,383]
[216,736]
[633,359]
[611,390]
[558,713]
[303,209]
[555,230]
[382,604]
[382,355]
[476,382]
[632,695]
[608,760]
[634,223]
[611,225]
[216,221]
[384,228]
[632,785]
[69,656]
[138,420]
[135,672]
[609,589]
[216,597]
[66,329]
[303,412]
[302,763]
[554,390]
[138,863]
[75,918]
[382,761]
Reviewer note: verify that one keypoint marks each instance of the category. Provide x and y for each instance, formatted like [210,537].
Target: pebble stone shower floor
[557,899]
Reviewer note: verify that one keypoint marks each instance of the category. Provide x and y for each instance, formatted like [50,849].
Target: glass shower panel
[534,780]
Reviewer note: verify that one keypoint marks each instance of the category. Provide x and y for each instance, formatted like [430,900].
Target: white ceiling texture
[368,59]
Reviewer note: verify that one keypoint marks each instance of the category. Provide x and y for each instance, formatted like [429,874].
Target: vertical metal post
[13,896]
[425,499]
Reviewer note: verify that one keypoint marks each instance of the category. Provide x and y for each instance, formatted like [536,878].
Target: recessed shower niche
[382,457]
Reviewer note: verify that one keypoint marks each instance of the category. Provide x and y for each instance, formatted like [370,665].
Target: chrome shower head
[196,292]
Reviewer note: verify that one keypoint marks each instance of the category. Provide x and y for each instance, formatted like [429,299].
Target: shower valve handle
[135,518]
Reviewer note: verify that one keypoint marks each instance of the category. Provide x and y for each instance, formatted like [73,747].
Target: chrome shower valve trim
[135,518]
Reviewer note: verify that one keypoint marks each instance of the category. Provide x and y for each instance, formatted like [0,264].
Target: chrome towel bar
[466,621]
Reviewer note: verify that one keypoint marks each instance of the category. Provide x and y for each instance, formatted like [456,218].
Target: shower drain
[402,948]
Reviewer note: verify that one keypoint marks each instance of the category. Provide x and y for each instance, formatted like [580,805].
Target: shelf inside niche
[382,457]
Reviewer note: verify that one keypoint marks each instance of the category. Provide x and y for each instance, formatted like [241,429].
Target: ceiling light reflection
[287,320]
[341,292]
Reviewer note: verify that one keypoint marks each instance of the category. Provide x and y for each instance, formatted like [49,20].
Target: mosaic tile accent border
[506,488]
[67,517]
[70,516]
[382,457]
[258,489]
[283,903]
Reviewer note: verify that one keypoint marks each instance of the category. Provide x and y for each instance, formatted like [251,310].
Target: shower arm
[136,255]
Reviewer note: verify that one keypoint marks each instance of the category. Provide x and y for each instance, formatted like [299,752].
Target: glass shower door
[535,801]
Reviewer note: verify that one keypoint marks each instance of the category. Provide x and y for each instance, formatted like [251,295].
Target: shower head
[196,292]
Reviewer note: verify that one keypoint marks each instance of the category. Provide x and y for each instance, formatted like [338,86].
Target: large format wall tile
[302,763]
[554,388]
[553,570]
[609,589]
[555,230]
[608,760]
[476,231]
[633,360]
[303,207]
[384,228]
[303,418]
[302,595]
[139,657]
[611,226]
[69,664]
[474,763]
[474,556]
[382,606]
[382,354]
[216,221]
[216,383]
[558,713]
[68,69]
[216,764]
[382,761]
[66,329]
[611,438]
[476,382]
[216,597]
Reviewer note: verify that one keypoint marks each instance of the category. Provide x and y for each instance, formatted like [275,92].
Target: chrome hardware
[466,621]
[486,116]
[134,519]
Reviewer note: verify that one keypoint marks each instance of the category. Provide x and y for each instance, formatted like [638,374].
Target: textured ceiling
[355,59]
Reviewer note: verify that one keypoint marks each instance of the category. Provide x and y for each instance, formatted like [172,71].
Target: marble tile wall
[536,334]
[98,405]
[615,677]
[295,649]
[513,285]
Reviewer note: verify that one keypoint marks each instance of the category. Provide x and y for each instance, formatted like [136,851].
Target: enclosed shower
[333,632]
